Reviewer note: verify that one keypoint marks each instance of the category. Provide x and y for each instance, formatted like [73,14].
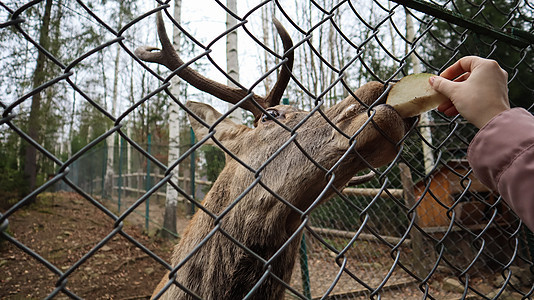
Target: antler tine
[285,74]
[168,57]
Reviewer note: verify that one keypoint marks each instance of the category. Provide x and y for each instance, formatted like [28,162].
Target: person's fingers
[463,65]
[448,109]
[505,74]
[462,77]
[445,105]
[442,85]
[452,111]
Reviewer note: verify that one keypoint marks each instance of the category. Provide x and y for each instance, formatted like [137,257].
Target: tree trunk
[112,138]
[424,120]
[232,61]
[421,259]
[171,201]
[265,29]
[332,95]
[34,123]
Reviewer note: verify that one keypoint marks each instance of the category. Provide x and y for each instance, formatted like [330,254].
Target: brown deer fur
[222,270]
[210,260]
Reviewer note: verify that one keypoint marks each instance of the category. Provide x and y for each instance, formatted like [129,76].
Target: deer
[244,242]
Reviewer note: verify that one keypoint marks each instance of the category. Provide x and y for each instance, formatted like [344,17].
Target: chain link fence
[423,227]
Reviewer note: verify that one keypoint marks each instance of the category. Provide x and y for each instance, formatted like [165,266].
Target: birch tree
[111,139]
[232,60]
[171,201]
[424,128]
[265,30]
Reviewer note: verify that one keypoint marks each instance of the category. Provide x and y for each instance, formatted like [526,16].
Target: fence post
[91,181]
[192,166]
[120,176]
[104,166]
[305,273]
[303,251]
[147,184]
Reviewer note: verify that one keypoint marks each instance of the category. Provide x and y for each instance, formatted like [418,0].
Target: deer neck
[258,222]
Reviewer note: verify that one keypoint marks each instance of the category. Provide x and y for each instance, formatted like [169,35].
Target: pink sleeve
[502,157]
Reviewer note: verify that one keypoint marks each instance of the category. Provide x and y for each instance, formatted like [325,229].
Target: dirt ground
[62,228]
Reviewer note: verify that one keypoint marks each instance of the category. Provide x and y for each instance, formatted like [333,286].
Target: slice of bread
[413,95]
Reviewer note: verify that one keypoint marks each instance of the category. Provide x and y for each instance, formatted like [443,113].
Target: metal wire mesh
[421,223]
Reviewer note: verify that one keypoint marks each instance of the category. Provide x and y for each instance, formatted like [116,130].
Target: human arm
[502,152]
[502,157]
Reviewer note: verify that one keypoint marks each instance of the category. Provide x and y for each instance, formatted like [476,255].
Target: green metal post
[192,166]
[147,183]
[91,176]
[120,176]
[304,268]
[104,167]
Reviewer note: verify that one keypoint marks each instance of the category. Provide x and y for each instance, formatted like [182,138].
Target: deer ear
[226,131]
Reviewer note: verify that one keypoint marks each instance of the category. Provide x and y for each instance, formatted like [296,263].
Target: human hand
[477,89]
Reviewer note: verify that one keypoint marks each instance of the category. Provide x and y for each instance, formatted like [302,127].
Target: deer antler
[168,57]
[285,74]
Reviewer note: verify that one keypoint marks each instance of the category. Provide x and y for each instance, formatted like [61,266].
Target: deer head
[274,174]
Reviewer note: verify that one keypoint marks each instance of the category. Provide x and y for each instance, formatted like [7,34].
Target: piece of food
[413,95]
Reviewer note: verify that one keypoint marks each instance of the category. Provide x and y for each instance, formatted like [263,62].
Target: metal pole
[147,184]
[304,270]
[192,166]
[91,181]
[104,166]
[120,176]
[303,251]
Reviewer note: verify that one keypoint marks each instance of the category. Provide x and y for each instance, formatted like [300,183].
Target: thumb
[442,85]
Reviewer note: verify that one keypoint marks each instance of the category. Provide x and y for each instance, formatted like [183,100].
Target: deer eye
[273,115]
